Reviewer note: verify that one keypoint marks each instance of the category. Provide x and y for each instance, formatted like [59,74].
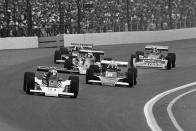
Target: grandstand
[52,17]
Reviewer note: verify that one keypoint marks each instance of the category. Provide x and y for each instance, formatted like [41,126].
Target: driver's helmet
[155,50]
[112,67]
[90,55]
[53,73]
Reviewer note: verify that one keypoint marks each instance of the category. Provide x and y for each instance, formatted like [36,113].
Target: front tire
[29,82]
[74,86]
[169,62]
[57,56]
[130,77]
[173,57]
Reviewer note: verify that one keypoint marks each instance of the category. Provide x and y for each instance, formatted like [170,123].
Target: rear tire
[64,50]
[135,76]
[74,85]
[90,71]
[173,57]
[57,56]
[169,63]
[131,60]
[130,77]
[30,81]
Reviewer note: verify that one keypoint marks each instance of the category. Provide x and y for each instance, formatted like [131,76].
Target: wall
[18,42]
[53,41]
[130,37]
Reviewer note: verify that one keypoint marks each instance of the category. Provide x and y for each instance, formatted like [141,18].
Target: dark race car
[109,73]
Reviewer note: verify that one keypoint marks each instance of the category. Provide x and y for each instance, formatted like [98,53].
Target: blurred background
[52,17]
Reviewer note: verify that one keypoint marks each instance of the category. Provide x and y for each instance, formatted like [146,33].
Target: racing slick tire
[74,85]
[29,82]
[173,57]
[68,63]
[130,77]
[135,76]
[64,50]
[57,56]
[90,71]
[169,63]
[131,60]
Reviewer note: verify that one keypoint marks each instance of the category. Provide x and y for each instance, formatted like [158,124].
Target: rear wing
[46,69]
[89,46]
[92,51]
[161,48]
[119,63]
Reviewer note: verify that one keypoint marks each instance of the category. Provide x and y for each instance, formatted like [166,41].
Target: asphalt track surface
[97,108]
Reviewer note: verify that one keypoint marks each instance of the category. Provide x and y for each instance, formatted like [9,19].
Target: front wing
[150,64]
[48,91]
[109,81]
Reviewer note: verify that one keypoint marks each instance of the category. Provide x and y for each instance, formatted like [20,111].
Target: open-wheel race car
[75,49]
[153,57]
[109,73]
[50,84]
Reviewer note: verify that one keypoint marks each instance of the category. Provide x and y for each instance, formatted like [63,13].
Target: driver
[52,74]
[112,67]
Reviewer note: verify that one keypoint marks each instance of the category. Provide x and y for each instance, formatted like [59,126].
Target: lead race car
[81,59]
[153,57]
[109,73]
[50,84]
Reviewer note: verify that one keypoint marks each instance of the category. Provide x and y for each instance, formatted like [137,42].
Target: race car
[50,84]
[153,57]
[75,49]
[109,73]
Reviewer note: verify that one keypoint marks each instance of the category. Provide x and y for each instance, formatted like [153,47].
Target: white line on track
[169,109]
[151,121]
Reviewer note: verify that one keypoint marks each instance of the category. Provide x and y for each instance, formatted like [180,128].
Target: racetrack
[97,108]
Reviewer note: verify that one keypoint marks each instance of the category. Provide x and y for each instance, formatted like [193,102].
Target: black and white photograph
[97,65]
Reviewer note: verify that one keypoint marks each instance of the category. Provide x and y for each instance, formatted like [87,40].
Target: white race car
[75,49]
[51,84]
[153,57]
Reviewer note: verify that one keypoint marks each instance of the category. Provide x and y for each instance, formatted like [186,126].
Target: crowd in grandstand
[103,16]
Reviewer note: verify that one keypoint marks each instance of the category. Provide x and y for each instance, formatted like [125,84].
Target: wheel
[173,57]
[25,81]
[68,63]
[89,75]
[109,59]
[135,75]
[90,71]
[131,60]
[29,81]
[130,77]
[64,50]
[57,56]
[169,63]
[138,53]
[74,85]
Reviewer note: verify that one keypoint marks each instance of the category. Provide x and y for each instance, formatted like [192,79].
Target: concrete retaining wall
[18,42]
[130,37]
